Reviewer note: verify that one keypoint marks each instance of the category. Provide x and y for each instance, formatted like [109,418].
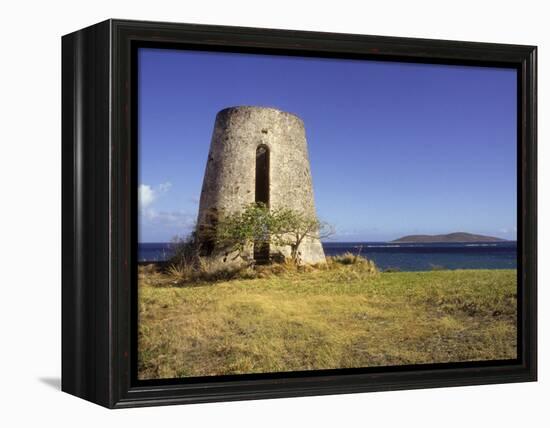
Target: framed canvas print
[252,213]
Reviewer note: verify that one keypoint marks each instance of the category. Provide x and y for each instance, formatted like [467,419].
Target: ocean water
[403,257]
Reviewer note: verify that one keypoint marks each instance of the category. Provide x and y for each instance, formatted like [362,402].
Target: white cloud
[164,187]
[165,225]
[165,220]
[146,195]
[170,218]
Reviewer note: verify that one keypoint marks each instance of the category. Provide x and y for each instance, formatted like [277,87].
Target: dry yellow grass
[323,318]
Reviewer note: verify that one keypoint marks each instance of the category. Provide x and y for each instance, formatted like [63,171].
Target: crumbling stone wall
[230,176]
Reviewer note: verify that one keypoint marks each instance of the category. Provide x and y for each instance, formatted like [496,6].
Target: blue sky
[395,148]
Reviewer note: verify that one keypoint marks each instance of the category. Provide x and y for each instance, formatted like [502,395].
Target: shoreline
[402,257]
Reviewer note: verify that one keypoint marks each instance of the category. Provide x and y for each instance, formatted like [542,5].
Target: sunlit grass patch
[338,315]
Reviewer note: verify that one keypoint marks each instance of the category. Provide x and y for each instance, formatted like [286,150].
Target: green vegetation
[345,314]
[257,224]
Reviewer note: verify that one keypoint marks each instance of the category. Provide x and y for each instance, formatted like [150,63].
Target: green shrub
[345,259]
[350,259]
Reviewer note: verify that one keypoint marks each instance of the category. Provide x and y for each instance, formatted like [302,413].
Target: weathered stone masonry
[230,177]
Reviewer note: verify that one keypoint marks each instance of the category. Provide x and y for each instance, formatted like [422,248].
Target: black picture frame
[99,192]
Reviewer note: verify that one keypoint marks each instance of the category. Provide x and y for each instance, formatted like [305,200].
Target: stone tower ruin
[258,154]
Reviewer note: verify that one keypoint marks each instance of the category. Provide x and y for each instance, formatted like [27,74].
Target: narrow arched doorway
[261,249]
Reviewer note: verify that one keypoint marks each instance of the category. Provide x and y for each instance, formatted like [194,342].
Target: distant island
[450,237]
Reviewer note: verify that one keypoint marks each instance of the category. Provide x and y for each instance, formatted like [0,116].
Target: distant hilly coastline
[448,238]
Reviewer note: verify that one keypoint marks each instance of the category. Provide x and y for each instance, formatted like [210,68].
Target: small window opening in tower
[261,249]
[262,174]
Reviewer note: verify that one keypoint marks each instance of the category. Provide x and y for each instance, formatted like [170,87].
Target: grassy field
[341,316]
